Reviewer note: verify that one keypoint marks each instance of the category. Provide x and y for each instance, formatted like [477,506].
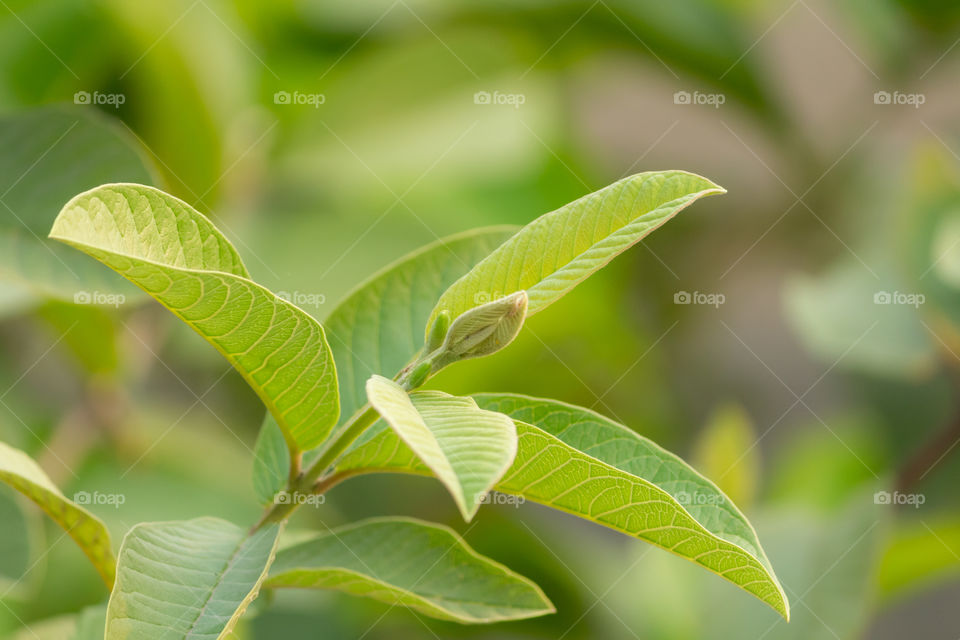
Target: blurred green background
[328,139]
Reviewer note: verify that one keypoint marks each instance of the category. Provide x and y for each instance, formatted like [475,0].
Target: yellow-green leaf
[19,471]
[558,250]
[176,255]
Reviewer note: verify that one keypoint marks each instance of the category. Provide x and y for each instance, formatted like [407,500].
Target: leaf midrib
[230,563]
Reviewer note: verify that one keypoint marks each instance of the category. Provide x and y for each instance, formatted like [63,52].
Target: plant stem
[307,481]
[348,434]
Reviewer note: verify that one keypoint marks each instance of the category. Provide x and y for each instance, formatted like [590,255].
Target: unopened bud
[416,376]
[437,332]
[483,330]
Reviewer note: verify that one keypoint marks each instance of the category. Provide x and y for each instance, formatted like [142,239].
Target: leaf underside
[176,255]
[19,471]
[187,580]
[604,487]
[468,449]
[555,252]
[413,564]
[379,327]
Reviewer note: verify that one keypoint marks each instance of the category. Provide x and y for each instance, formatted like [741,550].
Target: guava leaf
[586,465]
[47,155]
[558,250]
[271,461]
[19,471]
[379,326]
[414,564]
[467,448]
[175,254]
[190,579]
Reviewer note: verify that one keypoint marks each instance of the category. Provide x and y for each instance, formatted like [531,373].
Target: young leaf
[555,252]
[271,461]
[176,255]
[379,327]
[591,467]
[47,155]
[468,449]
[414,564]
[19,471]
[191,579]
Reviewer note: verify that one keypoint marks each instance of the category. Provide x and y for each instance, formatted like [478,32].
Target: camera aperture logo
[898,297]
[698,297]
[698,97]
[483,297]
[512,99]
[104,99]
[896,498]
[297,498]
[898,98]
[495,497]
[696,498]
[98,297]
[115,500]
[299,98]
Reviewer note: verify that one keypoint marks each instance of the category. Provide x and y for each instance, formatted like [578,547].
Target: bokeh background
[797,339]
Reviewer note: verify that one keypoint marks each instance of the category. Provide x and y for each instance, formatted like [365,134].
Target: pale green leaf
[47,155]
[467,448]
[19,471]
[191,579]
[379,327]
[271,461]
[558,250]
[176,255]
[586,465]
[414,564]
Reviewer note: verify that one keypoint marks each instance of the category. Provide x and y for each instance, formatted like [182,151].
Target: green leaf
[192,579]
[468,449]
[22,546]
[47,155]
[271,461]
[558,250]
[586,465]
[176,255]
[19,471]
[379,327]
[413,564]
